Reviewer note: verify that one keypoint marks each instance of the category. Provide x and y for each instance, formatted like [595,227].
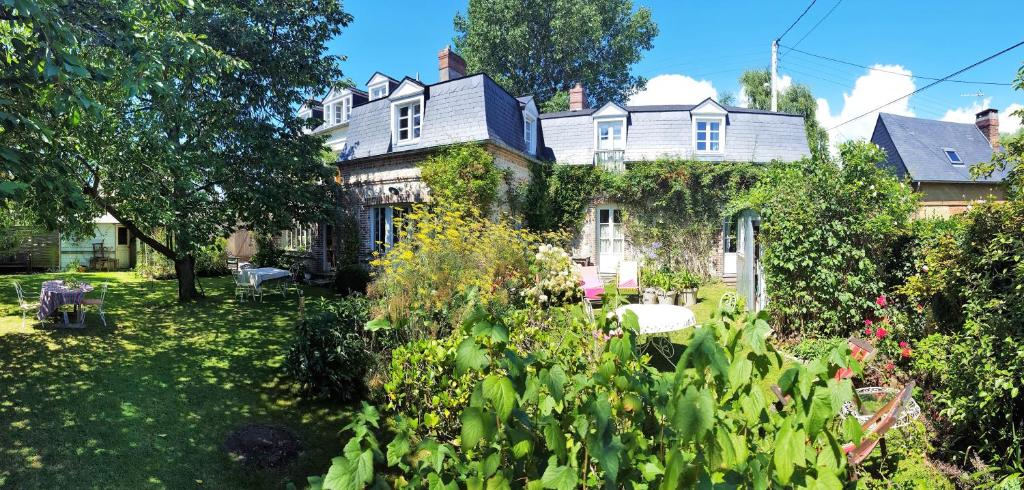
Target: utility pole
[775,75]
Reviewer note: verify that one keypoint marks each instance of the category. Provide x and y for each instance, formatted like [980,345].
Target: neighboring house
[111,243]
[937,157]
[399,123]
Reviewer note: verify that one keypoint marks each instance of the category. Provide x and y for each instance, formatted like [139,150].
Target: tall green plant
[463,173]
[617,423]
[826,231]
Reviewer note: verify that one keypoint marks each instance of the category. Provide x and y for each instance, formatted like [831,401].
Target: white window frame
[373,90]
[396,108]
[530,133]
[346,108]
[957,153]
[336,113]
[721,134]
[616,143]
[617,234]
[388,241]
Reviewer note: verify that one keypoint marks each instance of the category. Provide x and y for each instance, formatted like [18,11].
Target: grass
[147,401]
[708,296]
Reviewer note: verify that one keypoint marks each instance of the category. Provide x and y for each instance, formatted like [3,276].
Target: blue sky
[706,45]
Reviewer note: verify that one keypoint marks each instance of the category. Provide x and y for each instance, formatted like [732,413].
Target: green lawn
[147,401]
[707,300]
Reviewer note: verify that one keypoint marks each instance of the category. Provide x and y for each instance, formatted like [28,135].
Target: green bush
[329,356]
[212,260]
[809,349]
[607,419]
[268,254]
[463,173]
[826,233]
[351,278]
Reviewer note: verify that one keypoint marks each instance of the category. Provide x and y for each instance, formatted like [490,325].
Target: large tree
[796,99]
[209,142]
[541,47]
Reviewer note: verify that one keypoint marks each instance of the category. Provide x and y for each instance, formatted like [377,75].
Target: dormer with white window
[530,116]
[406,112]
[379,86]
[708,122]
[610,136]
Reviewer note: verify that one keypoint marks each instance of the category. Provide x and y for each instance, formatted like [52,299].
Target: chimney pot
[988,122]
[577,98]
[450,64]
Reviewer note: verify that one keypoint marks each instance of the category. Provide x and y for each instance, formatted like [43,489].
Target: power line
[946,78]
[797,20]
[892,72]
[808,33]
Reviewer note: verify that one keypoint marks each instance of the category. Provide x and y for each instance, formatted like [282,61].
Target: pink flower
[868,331]
[881,332]
[904,345]
[868,322]
[890,366]
[880,301]
[906,352]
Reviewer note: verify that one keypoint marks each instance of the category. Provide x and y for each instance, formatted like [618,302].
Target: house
[111,246]
[937,157]
[386,131]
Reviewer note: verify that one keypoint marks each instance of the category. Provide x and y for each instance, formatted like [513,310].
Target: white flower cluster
[557,280]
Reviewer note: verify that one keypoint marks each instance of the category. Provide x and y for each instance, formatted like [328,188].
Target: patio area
[148,400]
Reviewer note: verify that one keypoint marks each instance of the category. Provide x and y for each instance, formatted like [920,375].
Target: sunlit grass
[147,401]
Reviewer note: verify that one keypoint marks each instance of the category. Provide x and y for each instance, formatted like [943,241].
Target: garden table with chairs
[55,294]
[659,319]
[258,276]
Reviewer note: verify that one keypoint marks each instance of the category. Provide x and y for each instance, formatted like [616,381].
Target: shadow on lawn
[148,400]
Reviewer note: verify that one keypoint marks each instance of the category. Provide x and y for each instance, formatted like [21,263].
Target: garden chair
[874,429]
[243,287]
[729,302]
[593,288]
[232,263]
[98,303]
[629,277]
[292,282]
[23,305]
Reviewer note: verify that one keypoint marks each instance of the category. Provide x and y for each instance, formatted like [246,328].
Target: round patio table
[653,319]
[54,294]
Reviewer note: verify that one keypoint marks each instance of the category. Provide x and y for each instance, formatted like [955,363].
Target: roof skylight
[953,156]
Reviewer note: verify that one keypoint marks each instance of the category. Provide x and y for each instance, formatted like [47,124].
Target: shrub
[329,356]
[826,231]
[463,173]
[268,254]
[424,282]
[531,423]
[212,260]
[351,278]
[810,349]
[556,279]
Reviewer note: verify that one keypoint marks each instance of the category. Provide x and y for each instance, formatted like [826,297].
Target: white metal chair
[98,303]
[243,287]
[23,305]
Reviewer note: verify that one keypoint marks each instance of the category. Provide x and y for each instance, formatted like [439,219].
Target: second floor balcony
[610,160]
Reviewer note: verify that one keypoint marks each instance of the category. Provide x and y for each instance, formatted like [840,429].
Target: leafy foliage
[268,253]
[542,48]
[826,231]
[547,420]
[329,356]
[556,279]
[352,278]
[463,173]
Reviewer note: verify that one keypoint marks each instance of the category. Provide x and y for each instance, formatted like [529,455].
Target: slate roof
[665,131]
[915,147]
[475,108]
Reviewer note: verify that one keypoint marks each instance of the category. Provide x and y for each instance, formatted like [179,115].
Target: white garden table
[657,319]
[257,277]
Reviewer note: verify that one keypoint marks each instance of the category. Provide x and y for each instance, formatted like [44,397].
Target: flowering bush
[556,278]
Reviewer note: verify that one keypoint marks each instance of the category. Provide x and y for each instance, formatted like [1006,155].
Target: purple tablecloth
[54,294]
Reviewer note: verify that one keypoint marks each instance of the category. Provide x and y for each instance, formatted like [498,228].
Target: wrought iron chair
[98,303]
[244,287]
[23,305]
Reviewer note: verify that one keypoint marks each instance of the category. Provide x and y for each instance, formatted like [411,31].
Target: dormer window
[337,113]
[407,119]
[611,135]
[953,156]
[346,108]
[709,136]
[530,134]
[379,91]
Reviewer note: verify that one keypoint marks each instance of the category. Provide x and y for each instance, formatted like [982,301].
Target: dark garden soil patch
[263,446]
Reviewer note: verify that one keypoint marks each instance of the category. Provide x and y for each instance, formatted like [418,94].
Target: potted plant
[666,296]
[650,290]
[687,283]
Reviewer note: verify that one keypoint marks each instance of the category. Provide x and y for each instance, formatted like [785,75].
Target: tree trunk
[185,269]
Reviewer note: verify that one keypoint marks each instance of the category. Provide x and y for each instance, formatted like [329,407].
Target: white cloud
[785,81]
[869,91]
[674,89]
[1008,123]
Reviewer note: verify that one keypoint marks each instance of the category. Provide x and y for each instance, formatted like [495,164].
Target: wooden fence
[43,247]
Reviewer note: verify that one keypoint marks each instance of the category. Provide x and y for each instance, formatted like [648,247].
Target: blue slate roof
[914,147]
[475,108]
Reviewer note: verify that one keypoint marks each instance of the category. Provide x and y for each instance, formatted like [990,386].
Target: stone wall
[944,200]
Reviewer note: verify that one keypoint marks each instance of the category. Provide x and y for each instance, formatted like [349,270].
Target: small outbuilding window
[953,156]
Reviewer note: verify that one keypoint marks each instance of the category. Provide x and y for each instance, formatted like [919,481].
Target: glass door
[611,239]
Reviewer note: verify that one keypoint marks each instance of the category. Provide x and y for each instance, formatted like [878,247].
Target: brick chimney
[451,65]
[577,98]
[988,122]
